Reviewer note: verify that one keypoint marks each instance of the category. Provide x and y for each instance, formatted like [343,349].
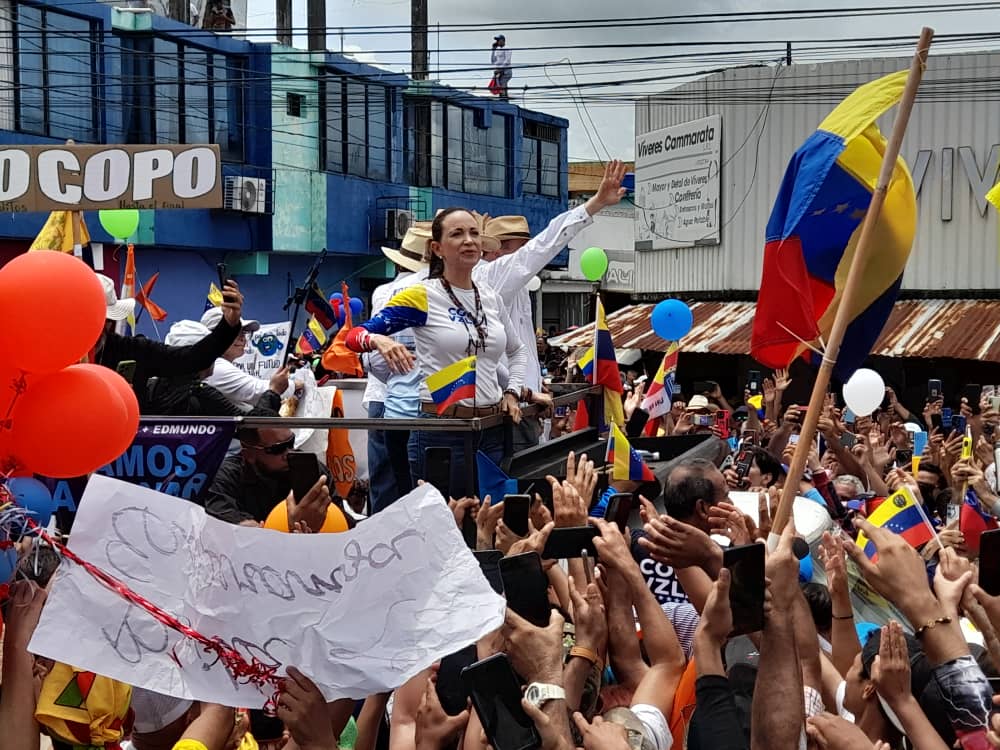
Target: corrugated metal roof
[959,329]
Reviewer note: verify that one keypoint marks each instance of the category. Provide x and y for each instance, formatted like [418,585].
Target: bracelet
[366,341]
[583,653]
[514,393]
[930,624]
[844,617]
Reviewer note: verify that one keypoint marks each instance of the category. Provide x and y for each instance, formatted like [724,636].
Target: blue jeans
[488,441]
[388,467]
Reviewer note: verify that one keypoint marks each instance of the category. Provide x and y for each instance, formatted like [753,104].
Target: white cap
[154,711]
[185,333]
[213,315]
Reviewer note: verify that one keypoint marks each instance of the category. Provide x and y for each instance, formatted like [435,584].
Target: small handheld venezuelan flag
[586,362]
[625,462]
[901,514]
[454,383]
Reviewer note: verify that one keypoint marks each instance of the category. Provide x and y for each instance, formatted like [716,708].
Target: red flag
[156,312]
[973,521]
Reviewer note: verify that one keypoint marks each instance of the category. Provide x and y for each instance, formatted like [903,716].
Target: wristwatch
[540,693]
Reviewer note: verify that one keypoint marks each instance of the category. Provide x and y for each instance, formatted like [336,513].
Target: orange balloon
[69,423]
[53,308]
[119,385]
[335,521]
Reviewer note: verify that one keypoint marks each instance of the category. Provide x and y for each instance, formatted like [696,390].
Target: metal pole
[283,21]
[316,24]
[418,39]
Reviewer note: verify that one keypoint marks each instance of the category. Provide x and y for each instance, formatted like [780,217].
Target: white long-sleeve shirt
[442,337]
[238,386]
[509,275]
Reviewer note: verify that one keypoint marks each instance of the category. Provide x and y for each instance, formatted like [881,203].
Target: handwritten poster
[359,612]
[267,349]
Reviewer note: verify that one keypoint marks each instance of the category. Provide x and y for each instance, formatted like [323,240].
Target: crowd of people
[614,660]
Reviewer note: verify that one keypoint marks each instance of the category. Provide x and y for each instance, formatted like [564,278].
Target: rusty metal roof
[960,329]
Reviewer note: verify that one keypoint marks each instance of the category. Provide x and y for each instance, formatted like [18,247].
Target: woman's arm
[406,309]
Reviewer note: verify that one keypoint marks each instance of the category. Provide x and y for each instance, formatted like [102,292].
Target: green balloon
[593,263]
[120,223]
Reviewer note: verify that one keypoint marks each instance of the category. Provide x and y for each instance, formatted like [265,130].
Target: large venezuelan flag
[454,383]
[606,371]
[625,462]
[901,514]
[813,232]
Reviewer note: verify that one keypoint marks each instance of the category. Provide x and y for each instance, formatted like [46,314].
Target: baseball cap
[213,315]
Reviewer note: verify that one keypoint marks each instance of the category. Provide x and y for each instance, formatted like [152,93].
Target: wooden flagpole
[861,254]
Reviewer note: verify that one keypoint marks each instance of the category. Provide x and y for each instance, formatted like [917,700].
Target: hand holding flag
[626,465]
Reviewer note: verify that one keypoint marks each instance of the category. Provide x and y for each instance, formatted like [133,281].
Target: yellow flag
[57,233]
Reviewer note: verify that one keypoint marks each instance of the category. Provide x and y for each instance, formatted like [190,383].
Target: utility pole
[418,39]
[316,23]
[179,10]
[283,21]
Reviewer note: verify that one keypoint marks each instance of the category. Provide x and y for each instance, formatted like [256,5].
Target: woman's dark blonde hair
[437,232]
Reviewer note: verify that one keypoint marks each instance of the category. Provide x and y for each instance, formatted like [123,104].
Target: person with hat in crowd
[390,395]
[698,417]
[521,257]
[239,386]
[153,359]
[501,61]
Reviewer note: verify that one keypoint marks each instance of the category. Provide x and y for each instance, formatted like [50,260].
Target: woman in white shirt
[452,319]
[501,61]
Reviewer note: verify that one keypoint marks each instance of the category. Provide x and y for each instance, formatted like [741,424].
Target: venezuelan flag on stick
[813,232]
[901,514]
[606,369]
[453,384]
[661,391]
[318,306]
[625,462]
[312,338]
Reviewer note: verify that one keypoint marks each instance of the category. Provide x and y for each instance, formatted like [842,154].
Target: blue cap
[865,630]
[498,37]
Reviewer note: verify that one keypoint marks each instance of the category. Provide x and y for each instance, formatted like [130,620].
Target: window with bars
[540,172]
[356,118]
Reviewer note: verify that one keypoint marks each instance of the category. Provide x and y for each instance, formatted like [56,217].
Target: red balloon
[53,310]
[120,386]
[70,423]
[12,382]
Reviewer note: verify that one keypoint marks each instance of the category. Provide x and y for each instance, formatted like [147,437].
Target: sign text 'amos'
[72,177]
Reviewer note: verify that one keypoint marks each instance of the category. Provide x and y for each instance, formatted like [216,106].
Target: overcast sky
[599,126]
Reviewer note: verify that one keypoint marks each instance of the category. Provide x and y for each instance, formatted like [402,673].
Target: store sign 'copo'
[72,177]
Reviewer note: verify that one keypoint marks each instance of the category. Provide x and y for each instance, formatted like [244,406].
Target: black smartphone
[753,382]
[526,587]
[450,687]
[904,458]
[126,368]
[570,542]
[223,278]
[515,513]
[701,387]
[746,589]
[934,390]
[744,459]
[619,509]
[496,695]
[989,562]
[489,563]
[848,440]
[973,394]
[989,429]
[437,469]
[937,422]
[303,467]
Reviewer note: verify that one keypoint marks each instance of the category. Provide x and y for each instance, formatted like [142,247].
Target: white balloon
[534,284]
[864,392]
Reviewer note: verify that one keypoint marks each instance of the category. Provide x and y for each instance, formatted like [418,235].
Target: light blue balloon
[34,497]
[672,319]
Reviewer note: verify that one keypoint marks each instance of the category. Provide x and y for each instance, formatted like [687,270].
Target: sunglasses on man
[275,449]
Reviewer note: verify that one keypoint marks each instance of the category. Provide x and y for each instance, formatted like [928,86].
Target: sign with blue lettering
[172,456]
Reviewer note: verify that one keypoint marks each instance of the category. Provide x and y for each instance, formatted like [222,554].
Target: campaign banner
[168,455]
[267,349]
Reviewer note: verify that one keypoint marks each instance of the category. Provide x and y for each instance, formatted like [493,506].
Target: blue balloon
[672,319]
[357,307]
[8,564]
[33,496]
[805,569]
[341,315]
[336,295]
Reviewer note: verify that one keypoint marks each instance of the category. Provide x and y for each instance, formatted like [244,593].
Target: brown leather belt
[458,411]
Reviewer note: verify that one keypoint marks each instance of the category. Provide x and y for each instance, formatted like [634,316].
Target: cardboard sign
[72,177]
[359,612]
[266,350]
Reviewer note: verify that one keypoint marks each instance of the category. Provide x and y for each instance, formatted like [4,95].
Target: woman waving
[453,320]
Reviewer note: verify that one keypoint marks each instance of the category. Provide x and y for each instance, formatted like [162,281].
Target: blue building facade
[336,154]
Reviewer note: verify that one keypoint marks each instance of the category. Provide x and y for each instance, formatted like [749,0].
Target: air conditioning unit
[246,194]
[397,221]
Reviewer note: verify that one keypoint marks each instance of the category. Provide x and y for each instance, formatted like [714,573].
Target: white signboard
[677,185]
[267,349]
[359,612]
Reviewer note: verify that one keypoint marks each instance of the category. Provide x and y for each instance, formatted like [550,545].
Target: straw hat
[508,228]
[413,248]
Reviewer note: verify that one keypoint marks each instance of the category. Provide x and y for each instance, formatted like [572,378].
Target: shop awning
[959,329]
